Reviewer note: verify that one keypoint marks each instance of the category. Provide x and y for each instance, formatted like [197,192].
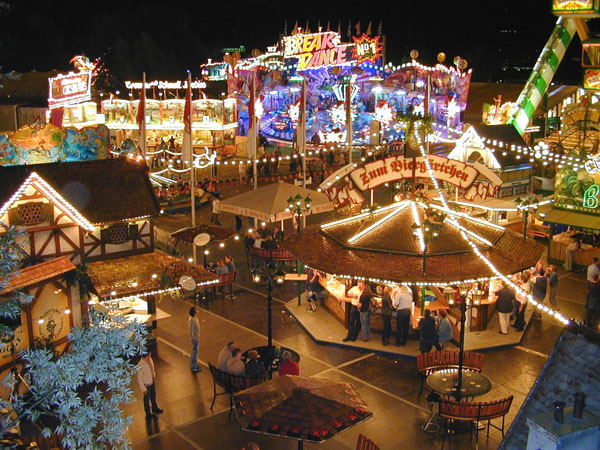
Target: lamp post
[469,299]
[299,206]
[270,274]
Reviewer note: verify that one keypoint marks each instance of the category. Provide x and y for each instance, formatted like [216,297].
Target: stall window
[506,192]
[520,189]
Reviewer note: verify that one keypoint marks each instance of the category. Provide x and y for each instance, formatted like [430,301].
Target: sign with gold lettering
[397,168]
[366,49]
[317,50]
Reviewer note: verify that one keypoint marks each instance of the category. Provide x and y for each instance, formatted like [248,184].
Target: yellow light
[154,276]
[206,252]
[190,260]
[222,244]
[67,311]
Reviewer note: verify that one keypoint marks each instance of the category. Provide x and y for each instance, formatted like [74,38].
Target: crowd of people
[264,237]
[231,360]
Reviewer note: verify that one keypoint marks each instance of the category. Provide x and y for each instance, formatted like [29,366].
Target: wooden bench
[230,384]
[363,443]
[430,362]
[225,279]
[451,410]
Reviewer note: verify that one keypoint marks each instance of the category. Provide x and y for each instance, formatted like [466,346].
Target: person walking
[538,289]
[553,283]
[194,329]
[402,299]
[386,315]
[146,377]
[504,305]
[354,319]
[214,217]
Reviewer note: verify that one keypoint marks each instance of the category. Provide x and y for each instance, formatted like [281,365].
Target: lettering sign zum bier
[396,168]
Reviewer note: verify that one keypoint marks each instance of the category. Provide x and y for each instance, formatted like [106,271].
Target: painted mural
[44,143]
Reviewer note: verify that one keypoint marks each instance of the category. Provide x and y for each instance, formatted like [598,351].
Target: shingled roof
[391,252]
[573,366]
[103,191]
[32,275]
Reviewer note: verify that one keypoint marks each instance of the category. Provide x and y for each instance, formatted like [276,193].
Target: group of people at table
[264,237]
[231,360]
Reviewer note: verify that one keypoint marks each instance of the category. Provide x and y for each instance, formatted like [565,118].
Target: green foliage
[85,387]
[80,276]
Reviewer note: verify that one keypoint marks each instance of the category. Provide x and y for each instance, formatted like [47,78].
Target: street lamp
[271,274]
[469,299]
[297,205]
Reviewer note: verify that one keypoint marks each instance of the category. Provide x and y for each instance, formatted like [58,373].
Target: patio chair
[363,443]
[231,384]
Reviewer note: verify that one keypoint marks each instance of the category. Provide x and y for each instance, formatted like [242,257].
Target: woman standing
[365,313]
[386,315]
[521,303]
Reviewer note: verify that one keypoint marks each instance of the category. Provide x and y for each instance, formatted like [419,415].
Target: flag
[295,29]
[357,28]
[328,26]
[141,118]
[285,28]
[339,30]
[307,28]
[369,31]
[380,29]
[252,120]
[349,32]
[318,26]
[301,128]
[187,123]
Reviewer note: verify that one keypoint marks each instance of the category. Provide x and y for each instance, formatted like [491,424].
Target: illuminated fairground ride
[381,96]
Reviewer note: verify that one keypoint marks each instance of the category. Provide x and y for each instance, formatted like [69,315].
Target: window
[30,213]
[521,189]
[119,233]
[506,192]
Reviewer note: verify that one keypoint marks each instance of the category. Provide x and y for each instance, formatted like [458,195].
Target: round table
[473,383]
[263,354]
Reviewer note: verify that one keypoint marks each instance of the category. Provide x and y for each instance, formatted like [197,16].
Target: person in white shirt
[225,355]
[194,329]
[354,320]
[593,269]
[402,300]
[235,365]
[145,377]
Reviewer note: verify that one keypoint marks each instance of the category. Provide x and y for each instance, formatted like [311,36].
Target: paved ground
[390,386]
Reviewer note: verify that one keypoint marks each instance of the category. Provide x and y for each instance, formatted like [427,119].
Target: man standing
[553,282]
[194,328]
[225,355]
[354,319]
[402,298]
[214,217]
[145,377]
[592,305]
[504,305]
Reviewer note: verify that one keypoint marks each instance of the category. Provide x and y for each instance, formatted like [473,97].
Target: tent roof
[269,202]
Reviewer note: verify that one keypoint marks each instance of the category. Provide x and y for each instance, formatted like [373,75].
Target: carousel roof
[385,245]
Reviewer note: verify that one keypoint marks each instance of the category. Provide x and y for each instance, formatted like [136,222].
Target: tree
[82,389]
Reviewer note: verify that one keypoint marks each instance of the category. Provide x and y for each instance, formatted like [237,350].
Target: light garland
[476,250]
[361,215]
[379,222]
[39,183]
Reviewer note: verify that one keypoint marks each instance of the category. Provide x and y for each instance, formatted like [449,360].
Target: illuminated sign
[317,50]
[240,49]
[69,89]
[575,7]
[590,197]
[591,78]
[397,168]
[165,84]
[366,49]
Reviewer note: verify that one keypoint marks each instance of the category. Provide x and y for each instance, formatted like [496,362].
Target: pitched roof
[573,366]
[103,191]
[38,273]
[134,274]
[508,134]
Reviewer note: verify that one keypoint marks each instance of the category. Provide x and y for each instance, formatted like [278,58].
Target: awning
[269,202]
[39,273]
[547,213]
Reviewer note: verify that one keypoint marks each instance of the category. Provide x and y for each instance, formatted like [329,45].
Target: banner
[397,168]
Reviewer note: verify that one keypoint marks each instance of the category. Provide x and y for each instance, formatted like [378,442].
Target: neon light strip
[472,219]
[475,205]
[376,224]
[415,213]
[361,215]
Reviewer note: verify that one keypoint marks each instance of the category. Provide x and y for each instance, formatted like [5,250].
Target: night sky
[165,38]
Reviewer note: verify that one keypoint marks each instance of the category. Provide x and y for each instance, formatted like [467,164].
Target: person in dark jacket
[504,305]
[592,305]
[428,336]
[254,368]
[386,315]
